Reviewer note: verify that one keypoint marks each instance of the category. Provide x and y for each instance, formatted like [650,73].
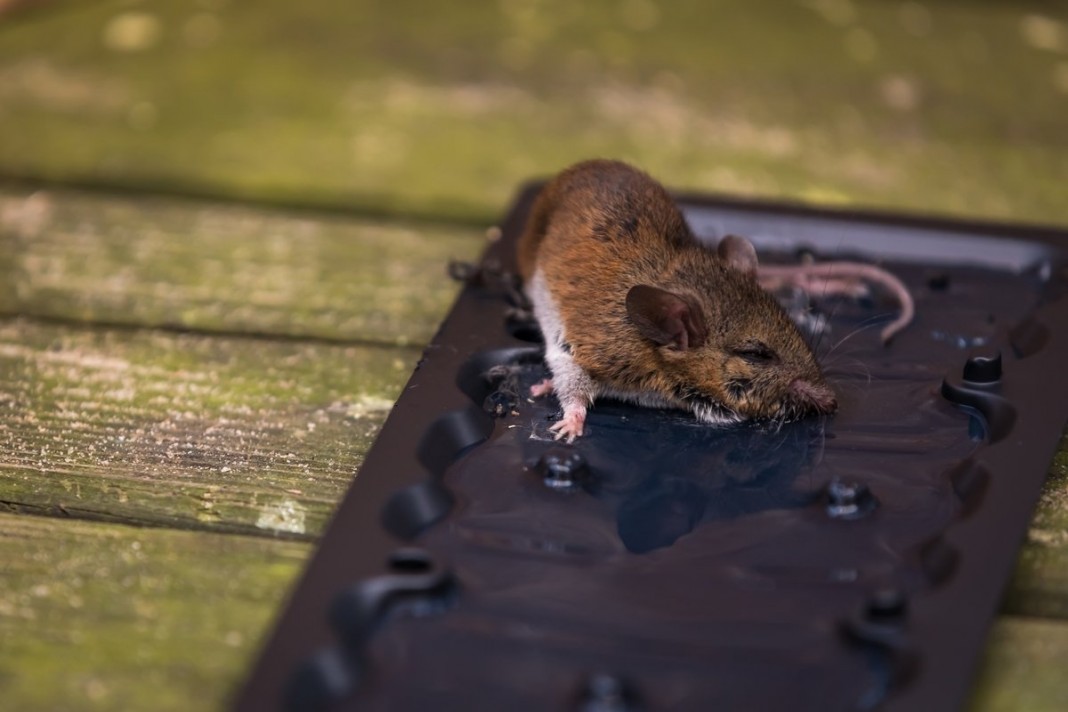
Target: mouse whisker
[855,365]
[860,329]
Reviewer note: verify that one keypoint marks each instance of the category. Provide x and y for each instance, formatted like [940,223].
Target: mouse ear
[739,254]
[666,318]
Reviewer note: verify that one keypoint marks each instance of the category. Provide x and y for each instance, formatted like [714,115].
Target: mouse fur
[633,306]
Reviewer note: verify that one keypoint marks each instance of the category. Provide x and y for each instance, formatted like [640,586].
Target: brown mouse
[633,306]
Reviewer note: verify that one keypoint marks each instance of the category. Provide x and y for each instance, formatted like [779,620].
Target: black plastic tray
[659,564]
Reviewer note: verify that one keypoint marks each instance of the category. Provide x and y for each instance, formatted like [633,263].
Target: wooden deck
[223,231]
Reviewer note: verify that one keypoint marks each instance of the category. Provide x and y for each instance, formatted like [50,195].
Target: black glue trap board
[850,562]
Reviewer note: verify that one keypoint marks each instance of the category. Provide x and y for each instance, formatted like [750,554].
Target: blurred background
[223,232]
[439,109]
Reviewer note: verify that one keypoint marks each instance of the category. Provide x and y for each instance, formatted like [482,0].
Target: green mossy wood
[186,431]
[213,371]
[422,108]
[107,617]
[224,268]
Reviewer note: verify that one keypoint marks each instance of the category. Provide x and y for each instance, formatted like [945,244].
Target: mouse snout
[818,397]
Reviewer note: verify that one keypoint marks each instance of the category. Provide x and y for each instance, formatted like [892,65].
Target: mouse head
[726,348]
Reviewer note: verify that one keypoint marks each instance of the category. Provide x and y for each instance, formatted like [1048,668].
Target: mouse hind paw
[542,388]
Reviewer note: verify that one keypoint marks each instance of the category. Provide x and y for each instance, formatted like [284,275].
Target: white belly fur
[573,385]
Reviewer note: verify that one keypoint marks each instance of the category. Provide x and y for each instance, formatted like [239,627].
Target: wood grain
[98,616]
[105,617]
[154,428]
[420,108]
[224,268]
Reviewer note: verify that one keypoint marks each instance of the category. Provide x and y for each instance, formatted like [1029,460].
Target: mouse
[633,306]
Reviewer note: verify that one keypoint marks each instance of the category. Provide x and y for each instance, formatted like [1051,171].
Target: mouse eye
[757,353]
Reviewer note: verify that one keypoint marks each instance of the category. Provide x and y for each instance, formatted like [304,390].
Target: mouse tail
[837,278]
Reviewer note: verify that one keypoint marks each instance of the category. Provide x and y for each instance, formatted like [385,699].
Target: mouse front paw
[570,426]
[543,388]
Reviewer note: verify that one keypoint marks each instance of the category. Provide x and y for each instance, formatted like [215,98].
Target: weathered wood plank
[429,108]
[208,266]
[1040,586]
[229,434]
[1023,668]
[105,617]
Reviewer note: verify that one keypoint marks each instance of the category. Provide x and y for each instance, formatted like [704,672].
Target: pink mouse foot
[570,426]
[545,387]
